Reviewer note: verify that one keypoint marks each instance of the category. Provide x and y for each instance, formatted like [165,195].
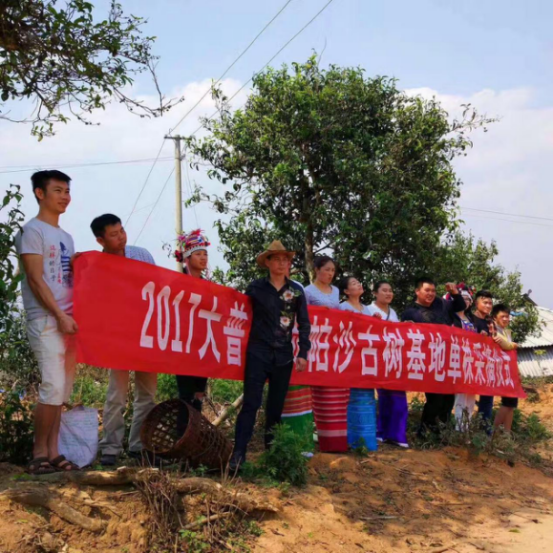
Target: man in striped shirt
[111,235]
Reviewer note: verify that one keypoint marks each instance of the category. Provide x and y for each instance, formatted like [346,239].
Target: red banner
[135,316]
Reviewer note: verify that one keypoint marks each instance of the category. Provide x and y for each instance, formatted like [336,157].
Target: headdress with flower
[189,243]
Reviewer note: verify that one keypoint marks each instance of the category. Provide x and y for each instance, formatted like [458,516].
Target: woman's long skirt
[330,407]
[391,424]
[298,414]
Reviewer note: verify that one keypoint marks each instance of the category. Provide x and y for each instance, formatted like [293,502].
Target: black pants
[437,409]
[485,407]
[189,386]
[257,372]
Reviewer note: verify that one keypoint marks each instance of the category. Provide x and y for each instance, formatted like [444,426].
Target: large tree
[330,160]
[68,63]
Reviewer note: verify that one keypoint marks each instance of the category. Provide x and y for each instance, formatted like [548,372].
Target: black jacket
[274,315]
[481,325]
[440,311]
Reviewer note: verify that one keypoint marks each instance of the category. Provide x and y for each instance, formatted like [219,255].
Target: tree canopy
[68,63]
[465,259]
[330,161]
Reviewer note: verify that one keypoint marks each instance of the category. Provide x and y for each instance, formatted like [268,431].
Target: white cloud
[509,170]
[116,133]
[114,188]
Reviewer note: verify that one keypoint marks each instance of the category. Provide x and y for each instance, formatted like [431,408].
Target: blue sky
[496,55]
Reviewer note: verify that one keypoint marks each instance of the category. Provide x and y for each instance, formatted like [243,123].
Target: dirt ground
[415,501]
[394,500]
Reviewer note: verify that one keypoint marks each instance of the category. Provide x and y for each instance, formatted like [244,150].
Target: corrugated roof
[532,364]
[545,338]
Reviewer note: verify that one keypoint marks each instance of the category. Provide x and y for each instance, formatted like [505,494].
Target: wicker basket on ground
[175,430]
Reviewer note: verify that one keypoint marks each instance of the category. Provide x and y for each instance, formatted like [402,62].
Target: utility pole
[178,191]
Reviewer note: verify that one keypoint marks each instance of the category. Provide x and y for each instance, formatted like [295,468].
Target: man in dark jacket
[277,303]
[482,321]
[430,309]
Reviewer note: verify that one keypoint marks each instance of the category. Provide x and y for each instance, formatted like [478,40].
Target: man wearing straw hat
[277,303]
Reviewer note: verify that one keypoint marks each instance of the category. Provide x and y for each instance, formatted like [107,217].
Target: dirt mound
[415,501]
[392,500]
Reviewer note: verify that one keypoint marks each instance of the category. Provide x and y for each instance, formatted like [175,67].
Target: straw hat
[274,247]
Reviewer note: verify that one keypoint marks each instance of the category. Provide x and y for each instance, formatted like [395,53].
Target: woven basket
[174,429]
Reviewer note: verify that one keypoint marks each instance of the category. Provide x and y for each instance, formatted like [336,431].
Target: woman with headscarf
[192,253]
[330,405]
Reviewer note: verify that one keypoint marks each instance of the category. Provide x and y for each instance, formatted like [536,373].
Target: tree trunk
[309,249]
[51,501]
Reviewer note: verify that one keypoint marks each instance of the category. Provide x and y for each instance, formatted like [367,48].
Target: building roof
[531,364]
[545,337]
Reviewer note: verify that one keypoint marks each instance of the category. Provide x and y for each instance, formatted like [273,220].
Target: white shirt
[56,248]
[346,306]
[391,316]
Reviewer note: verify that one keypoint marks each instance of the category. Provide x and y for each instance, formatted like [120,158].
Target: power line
[231,66]
[508,214]
[285,46]
[144,207]
[154,206]
[512,221]
[239,90]
[37,167]
[196,104]
[145,182]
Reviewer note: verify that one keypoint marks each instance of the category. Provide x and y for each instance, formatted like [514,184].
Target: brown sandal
[39,466]
[61,464]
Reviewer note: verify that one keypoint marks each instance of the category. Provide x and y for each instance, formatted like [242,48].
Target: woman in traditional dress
[330,405]
[298,405]
[192,253]
[391,423]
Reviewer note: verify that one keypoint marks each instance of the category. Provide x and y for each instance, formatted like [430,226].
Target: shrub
[529,428]
[91,385]
[415,413]
[226,391]
[222,391]
[166,387]
[18,366]
[284,461]
[16,428]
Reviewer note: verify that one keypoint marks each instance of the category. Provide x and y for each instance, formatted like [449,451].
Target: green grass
[226,391]
[91,386]
[166,387]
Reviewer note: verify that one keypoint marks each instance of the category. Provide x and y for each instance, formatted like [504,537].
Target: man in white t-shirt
[45,252]
[111,235]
